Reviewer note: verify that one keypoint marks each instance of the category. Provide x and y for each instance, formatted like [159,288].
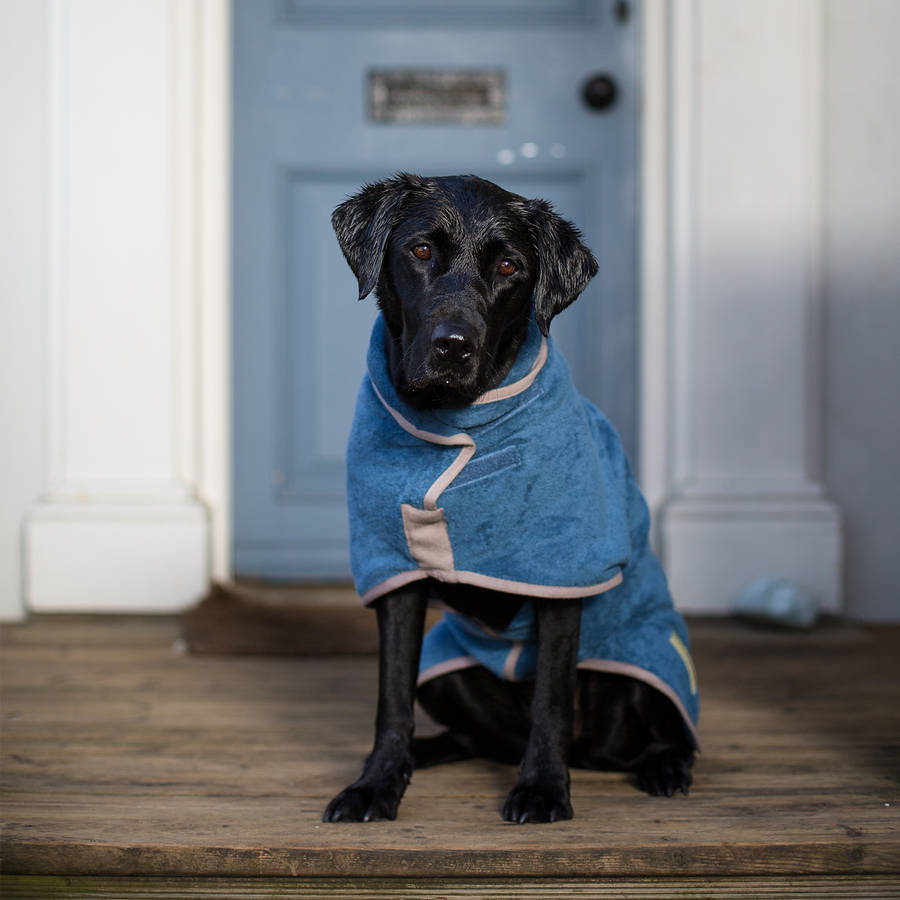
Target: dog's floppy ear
[363,223]
[565,265]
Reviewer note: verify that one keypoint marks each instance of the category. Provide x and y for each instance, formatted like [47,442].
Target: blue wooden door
[329,94]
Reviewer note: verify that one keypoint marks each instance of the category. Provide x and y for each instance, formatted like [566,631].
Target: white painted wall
[745,493]
[862,293]
[115,307]
[119,524]
[23,273]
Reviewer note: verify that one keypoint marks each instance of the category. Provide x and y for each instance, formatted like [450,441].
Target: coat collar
[517,388]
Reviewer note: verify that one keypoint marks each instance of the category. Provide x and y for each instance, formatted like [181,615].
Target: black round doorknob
[599,92]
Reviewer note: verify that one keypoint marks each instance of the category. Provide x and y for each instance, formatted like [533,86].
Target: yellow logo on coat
[678,644]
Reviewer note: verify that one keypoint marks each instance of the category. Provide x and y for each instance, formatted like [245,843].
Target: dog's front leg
[542,791]
[378,791]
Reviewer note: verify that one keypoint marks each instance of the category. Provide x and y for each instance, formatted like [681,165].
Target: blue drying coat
[527,490]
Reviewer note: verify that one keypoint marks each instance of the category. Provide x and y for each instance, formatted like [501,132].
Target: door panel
[305,139]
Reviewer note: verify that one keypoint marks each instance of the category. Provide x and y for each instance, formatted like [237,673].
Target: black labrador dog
[460,267]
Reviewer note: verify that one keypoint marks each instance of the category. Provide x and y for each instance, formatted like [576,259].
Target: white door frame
[133,513]
[732,393]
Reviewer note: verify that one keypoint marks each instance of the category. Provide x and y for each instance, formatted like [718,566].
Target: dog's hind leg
[627,725]
[485,716]
[439,749]
[376,794]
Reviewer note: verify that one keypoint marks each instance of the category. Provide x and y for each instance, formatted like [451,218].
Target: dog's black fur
[457,263]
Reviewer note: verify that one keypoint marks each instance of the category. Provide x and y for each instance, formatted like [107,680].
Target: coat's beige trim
[522,588]
[511,390]
[448,440]
[511,661]
[392,583]
[639,674]
[446,477]
[447,666]
[460,439]
[427,537]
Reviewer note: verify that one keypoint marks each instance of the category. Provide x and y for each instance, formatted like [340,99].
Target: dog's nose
[452,343]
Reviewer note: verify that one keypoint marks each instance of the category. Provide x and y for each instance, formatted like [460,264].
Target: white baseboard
[116,558]
[714,548]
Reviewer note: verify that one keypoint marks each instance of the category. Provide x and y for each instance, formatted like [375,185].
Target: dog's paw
[364,803]
[538,802]
[665,775]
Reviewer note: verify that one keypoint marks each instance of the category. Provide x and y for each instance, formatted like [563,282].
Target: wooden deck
[128,762]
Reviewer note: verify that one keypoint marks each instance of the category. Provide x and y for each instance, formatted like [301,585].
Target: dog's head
[456,264]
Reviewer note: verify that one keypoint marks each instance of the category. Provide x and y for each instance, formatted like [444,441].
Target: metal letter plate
[418,96]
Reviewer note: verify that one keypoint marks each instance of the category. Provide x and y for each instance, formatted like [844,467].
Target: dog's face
[457,263]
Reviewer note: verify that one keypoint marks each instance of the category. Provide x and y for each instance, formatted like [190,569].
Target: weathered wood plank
[238,618]
[282,835]
[96,888]
[123,756]
[436,862]
[102,631]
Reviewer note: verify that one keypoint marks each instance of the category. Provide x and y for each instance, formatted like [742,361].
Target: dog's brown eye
[507,267]
[422,251]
